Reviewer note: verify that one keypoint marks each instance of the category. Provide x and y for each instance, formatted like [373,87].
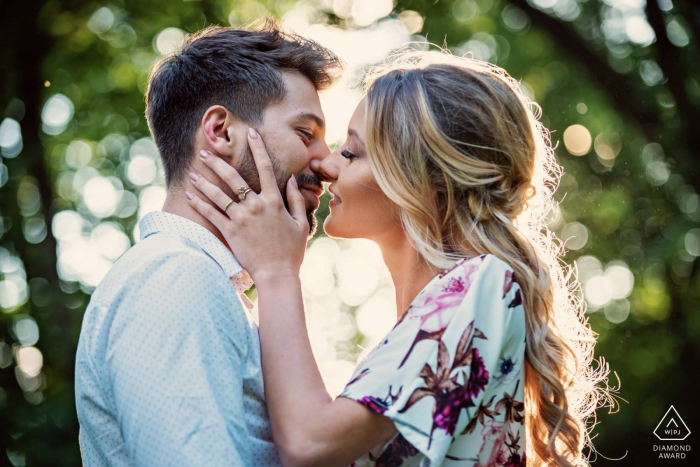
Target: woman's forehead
[357,122]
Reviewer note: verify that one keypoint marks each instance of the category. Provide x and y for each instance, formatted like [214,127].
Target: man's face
[294,133]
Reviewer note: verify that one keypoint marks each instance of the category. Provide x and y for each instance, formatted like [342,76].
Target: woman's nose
[315,165]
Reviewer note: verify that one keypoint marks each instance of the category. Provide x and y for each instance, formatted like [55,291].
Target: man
[168,365]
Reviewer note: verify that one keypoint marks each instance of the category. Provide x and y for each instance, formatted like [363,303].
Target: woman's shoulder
[457,344]
[464,273]
[474,285]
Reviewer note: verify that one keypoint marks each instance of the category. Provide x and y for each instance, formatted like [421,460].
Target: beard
[247,169]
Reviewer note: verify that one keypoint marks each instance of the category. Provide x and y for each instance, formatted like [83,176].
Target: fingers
[211,191]
[268,183]
[220,221]
[227,173]
[297,206]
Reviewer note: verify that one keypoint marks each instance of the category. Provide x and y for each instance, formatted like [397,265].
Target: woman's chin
[333,228]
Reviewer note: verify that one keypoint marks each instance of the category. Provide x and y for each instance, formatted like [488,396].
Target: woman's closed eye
[347,154]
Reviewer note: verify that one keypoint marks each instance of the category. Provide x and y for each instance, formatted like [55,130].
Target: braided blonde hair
[453,142]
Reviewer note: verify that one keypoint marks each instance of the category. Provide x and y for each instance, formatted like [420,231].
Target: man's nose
[322,151]
[327,168]
[318,156]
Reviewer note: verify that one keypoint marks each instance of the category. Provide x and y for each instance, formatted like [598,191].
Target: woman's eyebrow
[353,133]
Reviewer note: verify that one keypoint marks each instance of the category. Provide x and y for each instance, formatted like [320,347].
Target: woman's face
[359,208]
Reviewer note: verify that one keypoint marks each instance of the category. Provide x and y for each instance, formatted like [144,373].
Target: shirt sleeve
[434,367]
[176,368]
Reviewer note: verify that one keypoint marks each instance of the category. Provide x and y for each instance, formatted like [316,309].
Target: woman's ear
[217,126]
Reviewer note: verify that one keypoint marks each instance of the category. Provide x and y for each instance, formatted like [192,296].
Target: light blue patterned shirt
[168,365]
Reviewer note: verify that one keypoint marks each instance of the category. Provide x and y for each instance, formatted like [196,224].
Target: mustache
[309,180]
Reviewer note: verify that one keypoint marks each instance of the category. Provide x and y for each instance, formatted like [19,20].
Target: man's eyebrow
[320,123]
[352,132]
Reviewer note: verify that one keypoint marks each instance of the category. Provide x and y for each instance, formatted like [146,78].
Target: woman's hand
[309,427]
[266,239]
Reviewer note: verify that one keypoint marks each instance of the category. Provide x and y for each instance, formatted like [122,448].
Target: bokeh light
[100,196]
[639,31]
[575,234]
[168,40]
[101,20]
[603,285]
[141,171]
[29,361]
[629,216]
[10,138]
[57,113]
[13,285]
[577,140]
[366,12]
[26,330]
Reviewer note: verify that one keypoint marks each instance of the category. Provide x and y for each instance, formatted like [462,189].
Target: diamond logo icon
[671,427]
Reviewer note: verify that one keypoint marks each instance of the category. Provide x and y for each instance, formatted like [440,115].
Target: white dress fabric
[450,374]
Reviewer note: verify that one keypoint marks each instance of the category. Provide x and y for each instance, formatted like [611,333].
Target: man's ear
[217,126]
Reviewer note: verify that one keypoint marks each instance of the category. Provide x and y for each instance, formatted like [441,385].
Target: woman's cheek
[369,211]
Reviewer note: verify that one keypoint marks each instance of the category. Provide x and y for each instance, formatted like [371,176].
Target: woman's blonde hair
[453,142]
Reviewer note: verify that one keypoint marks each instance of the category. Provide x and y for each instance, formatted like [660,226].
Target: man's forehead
[311,117]
[300,102]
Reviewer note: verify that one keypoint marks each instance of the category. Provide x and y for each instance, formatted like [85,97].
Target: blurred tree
[619,86]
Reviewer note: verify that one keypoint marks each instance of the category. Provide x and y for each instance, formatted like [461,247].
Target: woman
[442,157]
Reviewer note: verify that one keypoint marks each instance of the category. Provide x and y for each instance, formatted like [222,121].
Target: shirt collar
[165,222]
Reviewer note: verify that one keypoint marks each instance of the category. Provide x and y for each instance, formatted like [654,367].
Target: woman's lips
[335,202]
[336,199]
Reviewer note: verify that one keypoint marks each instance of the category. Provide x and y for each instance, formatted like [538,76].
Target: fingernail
[294,182]
[253,134]
[204,154]
[195,176]
[189,195]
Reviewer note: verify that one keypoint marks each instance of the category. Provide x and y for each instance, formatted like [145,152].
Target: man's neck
[176,203]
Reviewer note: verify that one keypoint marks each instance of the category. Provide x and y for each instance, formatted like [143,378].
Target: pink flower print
[435,309]
[435,315]
[436,312]
[479,375]
[394,455]
[450,396]
[377,405]
[516,460]
[494,451]
[517,300]
[374,404]
[508,283]
[456,284]
[448,408]
[434,323]
[444,308]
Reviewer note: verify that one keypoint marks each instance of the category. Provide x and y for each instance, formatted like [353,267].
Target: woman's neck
[409,271]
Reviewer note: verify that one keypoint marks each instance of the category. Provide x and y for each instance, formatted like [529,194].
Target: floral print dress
[450,373]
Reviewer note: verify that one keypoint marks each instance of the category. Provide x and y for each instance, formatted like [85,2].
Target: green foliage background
[643,93]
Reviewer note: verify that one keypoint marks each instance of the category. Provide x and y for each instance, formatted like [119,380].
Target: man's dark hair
[240,69]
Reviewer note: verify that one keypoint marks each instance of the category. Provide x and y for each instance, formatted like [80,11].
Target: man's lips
[318,191]
[312,195]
